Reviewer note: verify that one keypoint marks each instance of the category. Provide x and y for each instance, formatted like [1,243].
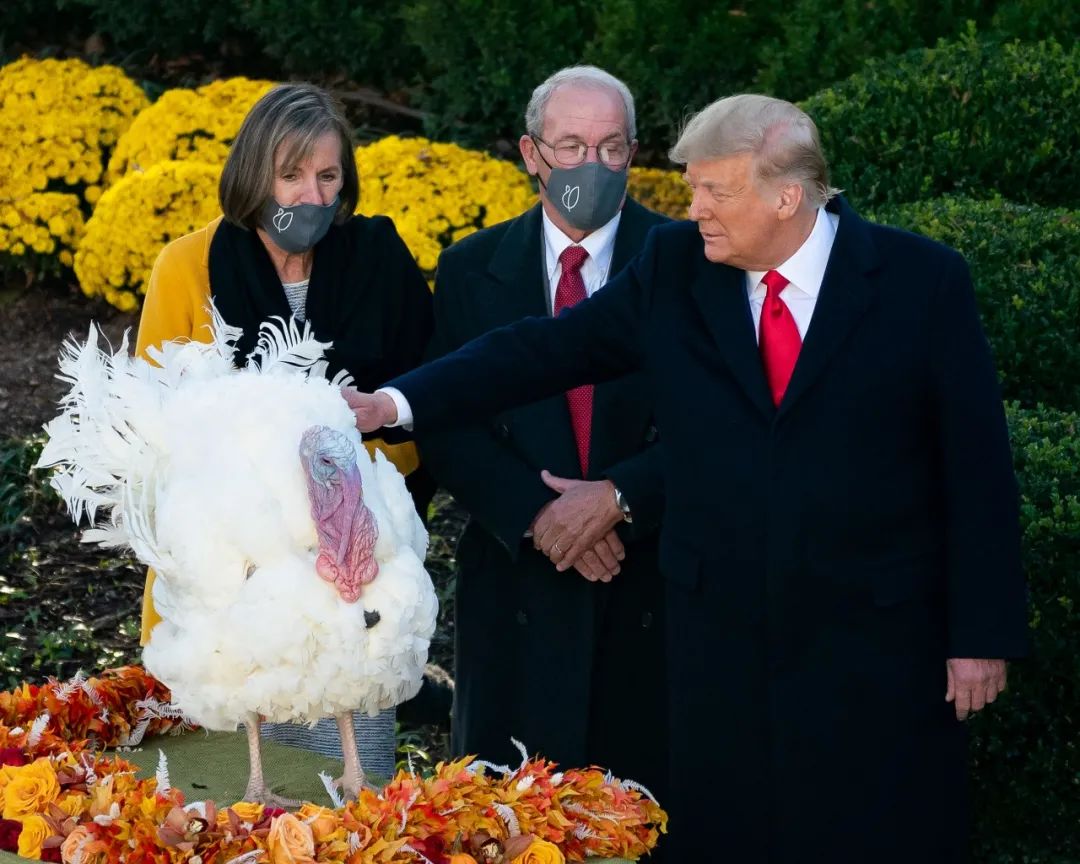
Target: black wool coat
[572,669]
[822,558]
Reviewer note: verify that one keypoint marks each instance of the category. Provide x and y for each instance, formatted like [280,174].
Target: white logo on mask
[571,196]
[282,219]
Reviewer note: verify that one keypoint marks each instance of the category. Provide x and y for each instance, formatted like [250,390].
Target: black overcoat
[823,558]
[547,657]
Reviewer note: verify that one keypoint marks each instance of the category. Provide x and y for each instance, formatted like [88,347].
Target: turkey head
[346,529]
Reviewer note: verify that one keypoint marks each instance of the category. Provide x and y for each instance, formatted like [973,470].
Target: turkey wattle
[289,564]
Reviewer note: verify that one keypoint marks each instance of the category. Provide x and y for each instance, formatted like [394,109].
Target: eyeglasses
[570,153]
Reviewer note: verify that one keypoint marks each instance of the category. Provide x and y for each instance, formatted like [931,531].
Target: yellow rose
[30,789]
[540,852]
[323,821]
[290,841]
[34,832]
[247,811]
[73,804]
[69,851]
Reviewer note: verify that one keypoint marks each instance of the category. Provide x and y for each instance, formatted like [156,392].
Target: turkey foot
[352,781]
[257,791]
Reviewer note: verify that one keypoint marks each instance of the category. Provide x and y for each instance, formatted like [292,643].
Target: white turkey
[289,565]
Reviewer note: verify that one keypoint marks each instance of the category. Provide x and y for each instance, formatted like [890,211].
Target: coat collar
[720,292]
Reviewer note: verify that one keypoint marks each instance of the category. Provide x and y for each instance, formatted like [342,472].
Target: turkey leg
[352,781]
[257,791]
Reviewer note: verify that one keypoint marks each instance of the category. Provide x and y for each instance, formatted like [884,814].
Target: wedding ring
[557,549]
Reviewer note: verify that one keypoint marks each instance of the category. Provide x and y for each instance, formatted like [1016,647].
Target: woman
[288,243]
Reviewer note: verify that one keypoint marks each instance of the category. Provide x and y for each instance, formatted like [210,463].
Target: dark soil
[66,606]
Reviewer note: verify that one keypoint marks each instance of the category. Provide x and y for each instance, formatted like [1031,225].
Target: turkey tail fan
[102,445]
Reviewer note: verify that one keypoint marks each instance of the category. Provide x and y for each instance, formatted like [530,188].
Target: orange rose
[290,841]
[247,812]
[73,843]
[30,789]
[462,858]
[323,821]
[540,852]
[34,832]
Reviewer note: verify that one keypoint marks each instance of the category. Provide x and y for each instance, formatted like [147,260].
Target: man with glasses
[568,662]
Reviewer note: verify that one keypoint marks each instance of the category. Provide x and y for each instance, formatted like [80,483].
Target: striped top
[296,294]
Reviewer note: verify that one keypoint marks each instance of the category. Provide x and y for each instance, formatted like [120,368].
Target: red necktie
[571,290]
[778,339]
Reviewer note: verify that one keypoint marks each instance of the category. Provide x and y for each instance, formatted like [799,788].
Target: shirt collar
[600,244]
[805,269]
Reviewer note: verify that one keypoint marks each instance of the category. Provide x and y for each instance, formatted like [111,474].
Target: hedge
[967,117]
[1026,747]
[1025,262]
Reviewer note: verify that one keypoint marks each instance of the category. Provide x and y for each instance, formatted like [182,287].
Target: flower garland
[61,801]
[135,219]
[187,126]
[438,193]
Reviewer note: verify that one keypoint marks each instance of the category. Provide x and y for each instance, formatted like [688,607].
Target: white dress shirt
[804,271]
[600,245]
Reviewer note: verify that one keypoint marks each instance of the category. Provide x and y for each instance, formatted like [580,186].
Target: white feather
[162,774]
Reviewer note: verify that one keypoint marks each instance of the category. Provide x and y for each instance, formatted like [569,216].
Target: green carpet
[214,766]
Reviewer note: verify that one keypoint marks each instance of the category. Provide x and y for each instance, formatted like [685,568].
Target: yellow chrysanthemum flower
[58,120]
[42,222]
[437,193]
[187,126]
[135,219]
[660,190]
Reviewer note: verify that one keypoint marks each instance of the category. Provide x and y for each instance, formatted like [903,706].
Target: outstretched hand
[576,528]
[372,410]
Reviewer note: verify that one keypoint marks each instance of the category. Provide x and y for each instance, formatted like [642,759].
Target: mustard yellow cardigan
[177,306]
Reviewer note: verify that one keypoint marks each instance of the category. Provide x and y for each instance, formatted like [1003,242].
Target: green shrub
[484,57]
[967,117]
[1025,262]
[1026,753]
[823,41]
[679,55]
[1037,19]
[324,37]
[168,29]
[24,494]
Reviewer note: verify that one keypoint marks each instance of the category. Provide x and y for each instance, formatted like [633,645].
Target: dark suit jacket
[823,558]
[535,649]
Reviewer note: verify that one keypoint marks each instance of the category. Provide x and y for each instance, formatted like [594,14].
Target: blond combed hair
[781,137]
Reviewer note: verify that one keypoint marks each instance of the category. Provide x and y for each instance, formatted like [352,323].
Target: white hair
[782,138]
[578,76]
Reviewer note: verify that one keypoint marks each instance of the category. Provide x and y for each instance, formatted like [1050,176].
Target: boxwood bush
[1025,262]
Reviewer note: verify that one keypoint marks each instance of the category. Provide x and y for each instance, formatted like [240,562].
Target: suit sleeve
[985,588]
[480,470]
[411,326]
[597,340]
[641,480]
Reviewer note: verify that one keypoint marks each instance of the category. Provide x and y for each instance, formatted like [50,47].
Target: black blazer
[824,557]
[510,601]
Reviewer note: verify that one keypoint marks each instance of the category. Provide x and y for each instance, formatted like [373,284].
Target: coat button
[650,434]
[522,618]
[646,620]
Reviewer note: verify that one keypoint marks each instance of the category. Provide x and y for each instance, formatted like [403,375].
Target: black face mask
[588,195]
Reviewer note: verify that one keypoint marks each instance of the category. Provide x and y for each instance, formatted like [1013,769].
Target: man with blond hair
[840,542]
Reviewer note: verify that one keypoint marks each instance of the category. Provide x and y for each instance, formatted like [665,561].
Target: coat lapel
[845,295]
[517,288]
[720,292]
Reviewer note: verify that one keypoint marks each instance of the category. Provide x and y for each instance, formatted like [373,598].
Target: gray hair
[294,116]
[782,138]
[578,76]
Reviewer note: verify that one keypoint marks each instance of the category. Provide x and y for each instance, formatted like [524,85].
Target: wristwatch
[623,505]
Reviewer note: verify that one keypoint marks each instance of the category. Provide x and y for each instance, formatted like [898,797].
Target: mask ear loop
[551,167]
